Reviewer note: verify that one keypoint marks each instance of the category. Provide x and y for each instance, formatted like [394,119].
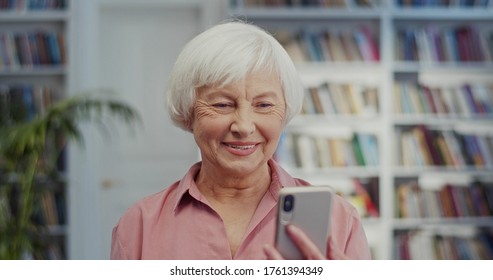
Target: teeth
[242,147]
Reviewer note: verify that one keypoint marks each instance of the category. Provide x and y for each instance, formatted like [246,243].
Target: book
[308,107]
[402,194]
[484,150]
[450,45]
[407,101]
[350,46]
[355,97]
[360,158]
[446,200]
[325,44]
[424,47]
[473,106]
[450,99]
[415,98]
[322,146]
[366,51]
[326,100]
[53,48]
[335,46]
[369,147]
[411,51]
[371,208]
[307,152]
[340,99]
[294,50]
[483,97]
[33,46]
[439,101]
[436,39]
[372,43]
[429,100]
[49,210]
[423,147]
[463,35]
[422,99]
[27,94]
[315,99]
[479,199]
[430,136]
[445,151]
[43,52]
[60,37]
[336,148]
[5,117]
[12,55]
[472,149]
[404,155]
[311,44]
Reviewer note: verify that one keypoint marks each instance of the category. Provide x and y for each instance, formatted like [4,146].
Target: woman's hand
[307,248]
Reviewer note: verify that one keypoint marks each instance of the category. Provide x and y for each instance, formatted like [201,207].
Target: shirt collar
[188,188]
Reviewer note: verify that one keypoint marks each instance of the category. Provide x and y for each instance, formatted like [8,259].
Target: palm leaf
[23,145]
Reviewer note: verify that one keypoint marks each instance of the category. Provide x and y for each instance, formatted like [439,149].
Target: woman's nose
[243,122]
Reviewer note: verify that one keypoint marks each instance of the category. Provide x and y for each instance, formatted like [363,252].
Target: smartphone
[307,207]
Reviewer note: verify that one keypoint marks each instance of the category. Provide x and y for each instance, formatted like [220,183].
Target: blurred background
[398,116]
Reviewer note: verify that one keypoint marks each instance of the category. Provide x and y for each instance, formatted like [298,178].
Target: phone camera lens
[288,203]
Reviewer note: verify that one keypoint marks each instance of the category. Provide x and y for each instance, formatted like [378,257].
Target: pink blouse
[179,223]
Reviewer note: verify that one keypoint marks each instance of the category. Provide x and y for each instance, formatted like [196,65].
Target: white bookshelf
[383,20]
[55,76]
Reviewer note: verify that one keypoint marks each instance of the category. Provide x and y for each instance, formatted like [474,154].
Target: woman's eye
[221,105]
[264,105]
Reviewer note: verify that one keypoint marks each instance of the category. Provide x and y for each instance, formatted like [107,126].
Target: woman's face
[237,127]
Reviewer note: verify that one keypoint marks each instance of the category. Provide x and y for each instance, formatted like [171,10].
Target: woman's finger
[307,248]
[334,253]
[271,253]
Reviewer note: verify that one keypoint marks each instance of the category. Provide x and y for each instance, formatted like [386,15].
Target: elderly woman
[234,88]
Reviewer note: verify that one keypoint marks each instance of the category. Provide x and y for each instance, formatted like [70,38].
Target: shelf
[359,66]
[360,172]
[303,13]
[35,71]
[32,77]
[33,16]
[403,171]
[351,121]
[443,13]
[41,178]
[441,120]
[406,224]
[443,67]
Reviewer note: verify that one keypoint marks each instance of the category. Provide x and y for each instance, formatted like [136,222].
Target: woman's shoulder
[149,205]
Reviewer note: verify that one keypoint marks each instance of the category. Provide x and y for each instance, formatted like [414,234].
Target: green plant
[28,155]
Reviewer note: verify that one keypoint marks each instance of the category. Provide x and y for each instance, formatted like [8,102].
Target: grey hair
[223,54]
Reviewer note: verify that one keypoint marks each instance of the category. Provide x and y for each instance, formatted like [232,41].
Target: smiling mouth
[241,147]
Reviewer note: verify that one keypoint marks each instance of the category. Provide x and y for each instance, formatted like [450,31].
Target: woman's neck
[216,185]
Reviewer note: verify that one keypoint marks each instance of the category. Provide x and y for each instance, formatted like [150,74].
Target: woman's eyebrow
[268,93]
